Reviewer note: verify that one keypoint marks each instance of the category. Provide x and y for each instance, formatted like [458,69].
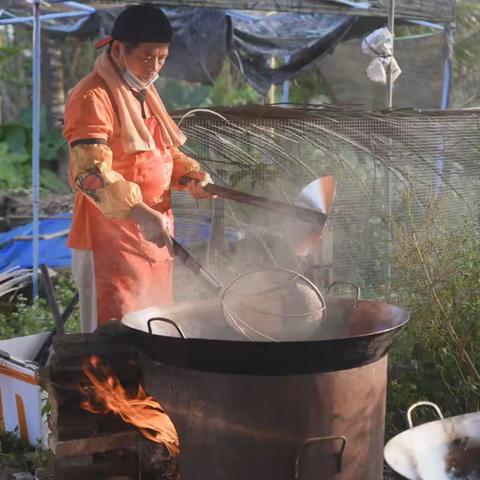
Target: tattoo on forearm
[90,183]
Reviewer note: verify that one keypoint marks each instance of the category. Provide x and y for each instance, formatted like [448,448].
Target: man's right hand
[154,225]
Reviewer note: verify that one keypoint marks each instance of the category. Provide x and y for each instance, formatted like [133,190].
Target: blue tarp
[16,251]
[16,245]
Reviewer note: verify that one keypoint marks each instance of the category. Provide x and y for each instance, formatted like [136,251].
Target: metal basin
[446,449]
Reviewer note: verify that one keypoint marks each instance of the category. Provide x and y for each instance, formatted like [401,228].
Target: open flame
[141,410]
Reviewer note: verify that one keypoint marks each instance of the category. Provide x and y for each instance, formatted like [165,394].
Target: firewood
[89,446]
[106,466]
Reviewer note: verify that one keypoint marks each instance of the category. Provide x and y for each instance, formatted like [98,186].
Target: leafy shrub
[13,449]
[437,357]
[15,453]
[16,156]
[28,318]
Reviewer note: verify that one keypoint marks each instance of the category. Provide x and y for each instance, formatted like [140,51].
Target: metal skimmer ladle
[273,305]
[265,305]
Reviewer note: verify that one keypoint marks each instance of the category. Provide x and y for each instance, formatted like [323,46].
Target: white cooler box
[20,394]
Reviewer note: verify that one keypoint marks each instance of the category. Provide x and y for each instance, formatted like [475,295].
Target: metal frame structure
[35,20]
[36,81]
[81,10]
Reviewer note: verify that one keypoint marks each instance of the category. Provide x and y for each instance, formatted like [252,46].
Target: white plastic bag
[379,44]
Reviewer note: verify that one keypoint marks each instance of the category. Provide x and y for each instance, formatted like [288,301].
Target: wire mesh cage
[389,167]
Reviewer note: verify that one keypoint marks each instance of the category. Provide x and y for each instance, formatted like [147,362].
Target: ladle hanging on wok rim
[444,449]
[250,295]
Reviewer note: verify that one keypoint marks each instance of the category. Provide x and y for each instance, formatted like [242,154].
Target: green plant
[6,54]
[15,171]
[13,449]
[437,357]
[28,318]
[16,155]
[227,90]
[14,452]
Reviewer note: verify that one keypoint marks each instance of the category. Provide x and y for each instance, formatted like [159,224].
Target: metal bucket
[257,427]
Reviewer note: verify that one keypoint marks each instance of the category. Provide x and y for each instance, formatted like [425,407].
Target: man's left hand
[195,186]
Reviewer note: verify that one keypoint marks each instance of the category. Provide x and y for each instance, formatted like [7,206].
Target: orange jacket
[104,177]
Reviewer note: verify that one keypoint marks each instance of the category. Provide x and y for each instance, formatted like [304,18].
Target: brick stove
[89,446]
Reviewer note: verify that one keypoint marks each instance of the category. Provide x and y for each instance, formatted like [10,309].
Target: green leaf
[52,182]
[16,137]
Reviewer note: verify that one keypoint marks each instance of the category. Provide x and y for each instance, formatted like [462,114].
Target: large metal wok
[445,449]
[196,336]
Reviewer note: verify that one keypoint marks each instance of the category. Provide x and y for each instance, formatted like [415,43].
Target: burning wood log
[86,445]
[141,410]
[89,446]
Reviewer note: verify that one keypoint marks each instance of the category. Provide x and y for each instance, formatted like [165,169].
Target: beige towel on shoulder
[135,135]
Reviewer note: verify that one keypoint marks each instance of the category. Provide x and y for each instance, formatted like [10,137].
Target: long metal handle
[52,302]
[419,404]
[302,213]
[165,320]
[310,441]
[42,355]
[352,284]
[196,267]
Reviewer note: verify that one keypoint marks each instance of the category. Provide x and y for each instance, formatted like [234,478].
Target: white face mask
[132,80]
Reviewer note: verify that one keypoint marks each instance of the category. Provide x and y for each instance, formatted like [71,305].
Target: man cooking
[124,160]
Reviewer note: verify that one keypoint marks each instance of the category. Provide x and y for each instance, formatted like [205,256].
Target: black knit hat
[140,23]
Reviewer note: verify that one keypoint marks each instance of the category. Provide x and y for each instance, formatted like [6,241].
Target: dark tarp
[198,48]
[297,39]
[204,36]
[438,11]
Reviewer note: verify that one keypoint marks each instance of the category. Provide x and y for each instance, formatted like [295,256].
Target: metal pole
[286,85]
[391,27]
[272,91]
[447,83]
[51,16]
[286,91]
[36,78]
[447,71]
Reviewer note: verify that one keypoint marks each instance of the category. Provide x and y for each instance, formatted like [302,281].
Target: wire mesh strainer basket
[273,305]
